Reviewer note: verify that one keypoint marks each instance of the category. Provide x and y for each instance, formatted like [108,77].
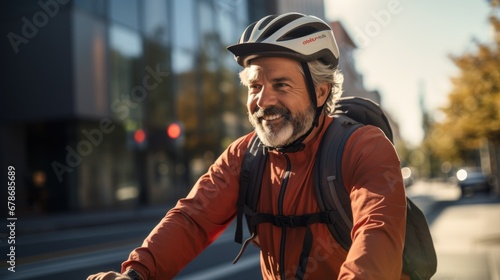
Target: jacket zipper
[281,199]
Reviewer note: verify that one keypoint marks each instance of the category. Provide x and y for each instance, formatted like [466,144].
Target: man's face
[278,104]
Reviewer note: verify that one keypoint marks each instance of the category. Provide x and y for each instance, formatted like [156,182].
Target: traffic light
[139,136]
[137,139]
[174,131]
[175,137]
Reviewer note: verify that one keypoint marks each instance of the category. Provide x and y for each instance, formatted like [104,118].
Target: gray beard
[292,128]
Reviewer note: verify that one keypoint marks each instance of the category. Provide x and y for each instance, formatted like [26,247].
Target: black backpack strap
[333,199]
[306,221]
[419,256]
[329,186]
[290,221]
[252,168]
[350,114]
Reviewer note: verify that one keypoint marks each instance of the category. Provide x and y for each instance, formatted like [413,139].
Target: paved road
[77,253]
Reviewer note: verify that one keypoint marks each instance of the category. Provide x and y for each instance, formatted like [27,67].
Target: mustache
[273,110]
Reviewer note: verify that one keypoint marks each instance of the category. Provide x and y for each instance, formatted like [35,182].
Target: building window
[126,70]
[125,12]
[156,19]
[95,7]
[184,41]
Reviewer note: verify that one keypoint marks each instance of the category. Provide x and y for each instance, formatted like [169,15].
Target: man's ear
[322,91]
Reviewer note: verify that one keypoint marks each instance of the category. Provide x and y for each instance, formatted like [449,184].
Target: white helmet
[294,35]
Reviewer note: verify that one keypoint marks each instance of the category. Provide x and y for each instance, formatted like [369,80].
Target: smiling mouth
[270,118]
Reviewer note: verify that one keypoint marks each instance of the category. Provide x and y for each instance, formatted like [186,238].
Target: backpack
[419,256]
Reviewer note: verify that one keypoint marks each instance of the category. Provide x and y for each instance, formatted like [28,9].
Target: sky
[404,49]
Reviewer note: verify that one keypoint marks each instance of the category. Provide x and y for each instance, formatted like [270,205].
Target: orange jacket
[371,174]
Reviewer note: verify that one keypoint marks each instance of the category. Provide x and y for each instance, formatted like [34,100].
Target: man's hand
[110,275]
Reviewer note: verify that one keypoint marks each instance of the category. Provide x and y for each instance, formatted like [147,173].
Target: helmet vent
[248,32]
[275,26]
[302,31]
[265,22]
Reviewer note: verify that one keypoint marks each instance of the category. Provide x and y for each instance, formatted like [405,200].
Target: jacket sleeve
[195,222]
[372,176]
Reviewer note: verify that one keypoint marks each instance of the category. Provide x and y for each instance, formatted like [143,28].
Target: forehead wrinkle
[255,72]
[282,79]
[256,75]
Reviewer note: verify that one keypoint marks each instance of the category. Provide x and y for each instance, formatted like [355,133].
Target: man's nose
[266,98]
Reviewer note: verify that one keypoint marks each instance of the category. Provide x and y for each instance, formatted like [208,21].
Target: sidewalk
[467,240]
[466,232]
[54,222]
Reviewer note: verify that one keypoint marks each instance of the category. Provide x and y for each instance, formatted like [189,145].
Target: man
[290,68]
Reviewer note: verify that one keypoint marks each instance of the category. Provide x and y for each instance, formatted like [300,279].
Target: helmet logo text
[312,39]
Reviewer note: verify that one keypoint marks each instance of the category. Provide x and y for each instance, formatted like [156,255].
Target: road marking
[64,253]
[72,234]
[224,270]
[63,264]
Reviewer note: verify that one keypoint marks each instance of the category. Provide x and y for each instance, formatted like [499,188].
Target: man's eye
[255,87]
[280,85]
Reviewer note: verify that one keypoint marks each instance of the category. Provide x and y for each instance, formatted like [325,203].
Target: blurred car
[407,176]
[473,181]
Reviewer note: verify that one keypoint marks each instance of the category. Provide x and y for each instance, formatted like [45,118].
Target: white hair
[322,73]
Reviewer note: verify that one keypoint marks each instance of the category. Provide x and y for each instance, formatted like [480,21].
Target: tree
[472,117]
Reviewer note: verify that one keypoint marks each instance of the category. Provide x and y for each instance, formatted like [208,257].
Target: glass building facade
[93,86]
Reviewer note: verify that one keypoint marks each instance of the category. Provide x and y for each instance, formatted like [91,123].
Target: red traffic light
[174,130]
[139,136]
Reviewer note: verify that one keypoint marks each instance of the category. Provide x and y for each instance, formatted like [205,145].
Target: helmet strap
[312,92]
[297,145]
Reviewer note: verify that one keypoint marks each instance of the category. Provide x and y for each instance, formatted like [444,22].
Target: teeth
[272,117]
